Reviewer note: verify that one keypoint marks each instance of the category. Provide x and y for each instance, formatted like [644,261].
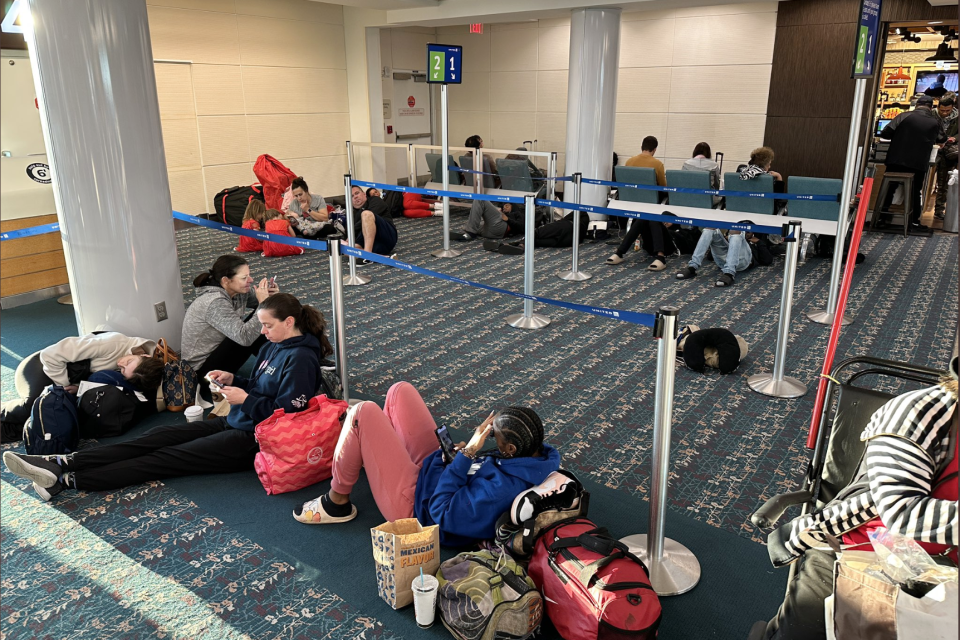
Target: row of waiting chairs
[761,184]
[514,174]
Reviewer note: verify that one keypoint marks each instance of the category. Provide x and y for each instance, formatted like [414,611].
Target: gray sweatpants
[485,221]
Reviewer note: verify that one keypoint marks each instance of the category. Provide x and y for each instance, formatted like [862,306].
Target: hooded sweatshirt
[466,497]
[213,316]
[103,350]
[286,375]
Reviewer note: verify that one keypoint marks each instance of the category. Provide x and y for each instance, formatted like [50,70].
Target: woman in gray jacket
[221,330]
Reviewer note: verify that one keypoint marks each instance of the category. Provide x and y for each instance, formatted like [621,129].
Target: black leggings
[801,615]
[228,356]
[652,232]
[193,448]
[30,381]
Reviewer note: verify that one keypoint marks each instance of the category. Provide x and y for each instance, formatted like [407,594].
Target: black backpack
[231,203]
[108,410]
[52,427]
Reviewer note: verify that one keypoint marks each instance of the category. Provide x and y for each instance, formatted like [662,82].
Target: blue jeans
[731,254]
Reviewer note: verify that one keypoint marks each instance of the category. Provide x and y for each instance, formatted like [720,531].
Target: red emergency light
[476,28]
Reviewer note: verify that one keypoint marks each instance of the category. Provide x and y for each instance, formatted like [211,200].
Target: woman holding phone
[409,476]
[286,376]
[221,329]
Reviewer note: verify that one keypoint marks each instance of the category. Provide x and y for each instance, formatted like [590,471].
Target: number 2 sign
[444,63]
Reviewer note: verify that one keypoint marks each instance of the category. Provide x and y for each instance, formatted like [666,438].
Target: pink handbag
[296,449]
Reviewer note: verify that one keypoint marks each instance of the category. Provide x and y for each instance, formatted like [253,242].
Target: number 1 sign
[444,62]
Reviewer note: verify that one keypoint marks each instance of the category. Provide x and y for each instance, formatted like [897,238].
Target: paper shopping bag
[400,550]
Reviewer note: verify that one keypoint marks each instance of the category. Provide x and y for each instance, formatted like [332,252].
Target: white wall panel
[735,136]
[513,91]
[552,91]
[220,177]
[644,90]
[509,130]
[197,36]
[464,124]
[722,89]
[299,136]
[647,43]
[632,128]
[218,89]
[186,191]
[290,43]
[223,6]
[223,140]
[181,143]
[554,48]
[410,49]
[725,9]
[514,49]
[289,90]
[174,90]
[476,48]
[324,175]
[474,94]
[292,10]
[551,131]
[745,38]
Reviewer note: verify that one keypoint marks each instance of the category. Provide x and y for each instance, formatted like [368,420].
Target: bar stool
[894,178]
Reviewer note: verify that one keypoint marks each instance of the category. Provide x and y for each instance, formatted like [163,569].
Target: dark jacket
[375,205]
[286,375]
[467,502]
[912,135]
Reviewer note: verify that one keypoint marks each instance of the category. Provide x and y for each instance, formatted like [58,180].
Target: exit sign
[476,27]
[444,62]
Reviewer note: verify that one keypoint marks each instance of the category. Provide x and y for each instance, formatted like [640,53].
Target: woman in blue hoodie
[287,374]
[409,476]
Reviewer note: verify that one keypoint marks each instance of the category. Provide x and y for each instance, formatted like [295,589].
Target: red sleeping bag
[275,178]
[592,586]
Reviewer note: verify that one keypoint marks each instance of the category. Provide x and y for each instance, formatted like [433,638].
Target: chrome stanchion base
[520,321]
[786,388]
[67,299]
[678,571]
[575,276]
[445,253]
[822,317]
[355,281]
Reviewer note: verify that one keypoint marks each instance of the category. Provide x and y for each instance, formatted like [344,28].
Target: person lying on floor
[73,360]
[907,482]
[286,376]
[372,225]
[221,329]
[408,475]
[551,235]
[486,220]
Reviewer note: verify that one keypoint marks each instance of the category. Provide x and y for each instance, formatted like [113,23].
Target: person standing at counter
[947,156]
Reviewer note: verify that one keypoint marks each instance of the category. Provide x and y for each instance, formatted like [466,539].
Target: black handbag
[107,411]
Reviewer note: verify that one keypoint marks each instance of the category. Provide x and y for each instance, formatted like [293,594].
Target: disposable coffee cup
[193,413]
[425,599]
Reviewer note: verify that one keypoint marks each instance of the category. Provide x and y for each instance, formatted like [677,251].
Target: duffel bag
[485,595]
[231,203]
[296,449]
[594,588]
[108,410]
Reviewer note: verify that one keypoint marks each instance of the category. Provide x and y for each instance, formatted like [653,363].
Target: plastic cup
[193,413]
[425,600]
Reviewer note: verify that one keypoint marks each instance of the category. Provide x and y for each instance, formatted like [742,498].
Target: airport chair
[515,176]
[436,171]
[760,184]
[812,209]
[466,162]
[691,180]
[638,175]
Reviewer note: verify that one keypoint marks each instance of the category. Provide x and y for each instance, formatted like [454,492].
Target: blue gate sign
[868,32]
[444,62]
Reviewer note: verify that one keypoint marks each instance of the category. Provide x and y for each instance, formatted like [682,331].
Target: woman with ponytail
[220,330]
[287,374]
[409,476]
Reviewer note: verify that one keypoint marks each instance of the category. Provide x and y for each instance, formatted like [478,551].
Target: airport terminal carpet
[215,557]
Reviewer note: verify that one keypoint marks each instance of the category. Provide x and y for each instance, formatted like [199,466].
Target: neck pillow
[717,348]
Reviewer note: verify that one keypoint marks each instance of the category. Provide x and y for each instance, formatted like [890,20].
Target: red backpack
[275,178]
[593,587]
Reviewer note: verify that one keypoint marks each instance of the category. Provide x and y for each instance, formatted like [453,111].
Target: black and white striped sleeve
[901,476]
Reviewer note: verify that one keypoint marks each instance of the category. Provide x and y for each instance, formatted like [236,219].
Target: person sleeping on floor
[409,476]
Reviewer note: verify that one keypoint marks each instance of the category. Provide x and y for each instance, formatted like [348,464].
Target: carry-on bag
[179,386]
[231,203]
[53,426]
[594,588]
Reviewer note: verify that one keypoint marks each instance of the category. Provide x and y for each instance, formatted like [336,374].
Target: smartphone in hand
[214,382]
[446,444]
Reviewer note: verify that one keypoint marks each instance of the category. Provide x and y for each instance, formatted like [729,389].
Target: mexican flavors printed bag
[400,549]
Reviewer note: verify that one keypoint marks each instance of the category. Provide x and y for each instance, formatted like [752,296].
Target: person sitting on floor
[486,220]
[408,475]
[551,235]
[655,241]
[278,225]
[253,220]
[375,232]
[308,212]
[737,251]
[60,364]
[286,376]
[217,332]
[906,482]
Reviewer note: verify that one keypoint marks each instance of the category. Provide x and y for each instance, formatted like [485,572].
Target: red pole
[841,308]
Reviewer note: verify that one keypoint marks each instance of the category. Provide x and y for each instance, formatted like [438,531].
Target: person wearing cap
[906,482]
[912,135]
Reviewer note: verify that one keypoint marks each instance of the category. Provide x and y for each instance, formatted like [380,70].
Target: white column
[592,97]
[93,69]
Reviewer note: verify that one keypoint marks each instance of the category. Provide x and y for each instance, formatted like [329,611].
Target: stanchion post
[350,160]
[446,252]
[528,319]
[411,166]
[674,569]
[336,298]
[478,166]
[574,273]
[552,178]
[776,384]
[352,279]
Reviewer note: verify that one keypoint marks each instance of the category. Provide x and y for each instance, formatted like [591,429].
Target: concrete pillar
[93,70]
[592,97]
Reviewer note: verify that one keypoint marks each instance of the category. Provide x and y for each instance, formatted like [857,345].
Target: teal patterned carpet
[191,559]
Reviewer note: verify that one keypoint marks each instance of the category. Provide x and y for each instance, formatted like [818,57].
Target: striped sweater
[909,442]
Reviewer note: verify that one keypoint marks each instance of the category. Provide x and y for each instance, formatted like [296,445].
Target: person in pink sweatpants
[408,475]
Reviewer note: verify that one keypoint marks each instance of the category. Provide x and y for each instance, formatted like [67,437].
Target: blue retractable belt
[714,192]
[30,231]
[439,193]
[319,245]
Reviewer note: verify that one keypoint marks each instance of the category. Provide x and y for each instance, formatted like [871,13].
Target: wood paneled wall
[811,92]
[29,264]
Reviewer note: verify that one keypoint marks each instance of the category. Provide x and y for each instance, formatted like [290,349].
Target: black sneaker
[725,280]
[686,273]
[46,493]
[362,262]
[511,250]
[464,236]
[43,472]
[491,245]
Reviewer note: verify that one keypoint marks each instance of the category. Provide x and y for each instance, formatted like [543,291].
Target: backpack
[52,427]
[559,498]
[329,381]
[485,595]
[594,588]
[179,386]
[275,178]
[231,203]
[107,411]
